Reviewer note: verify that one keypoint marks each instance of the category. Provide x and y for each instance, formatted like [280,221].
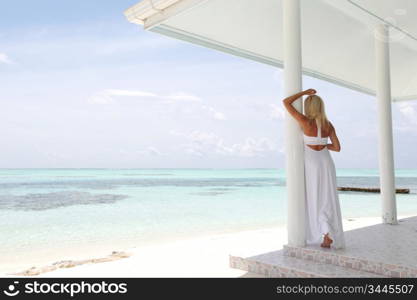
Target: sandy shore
[197,257]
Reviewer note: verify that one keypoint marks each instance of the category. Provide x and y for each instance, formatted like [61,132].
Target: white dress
[322,201]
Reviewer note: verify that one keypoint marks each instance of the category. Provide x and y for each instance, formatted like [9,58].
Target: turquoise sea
[45,214]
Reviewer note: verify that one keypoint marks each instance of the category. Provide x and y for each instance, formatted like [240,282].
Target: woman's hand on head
[310,92]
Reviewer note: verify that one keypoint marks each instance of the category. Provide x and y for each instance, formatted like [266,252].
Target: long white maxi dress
[322,202]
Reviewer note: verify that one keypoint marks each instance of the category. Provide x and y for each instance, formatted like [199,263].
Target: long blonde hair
[314,110]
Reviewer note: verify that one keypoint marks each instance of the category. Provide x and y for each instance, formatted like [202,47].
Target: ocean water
[47,214]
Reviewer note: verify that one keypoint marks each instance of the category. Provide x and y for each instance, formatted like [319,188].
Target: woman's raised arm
[290,108]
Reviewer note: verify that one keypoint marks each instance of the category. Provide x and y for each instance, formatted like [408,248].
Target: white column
[386,151]
[294,149]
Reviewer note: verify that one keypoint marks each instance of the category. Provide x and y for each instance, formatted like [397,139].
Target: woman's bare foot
[326,241]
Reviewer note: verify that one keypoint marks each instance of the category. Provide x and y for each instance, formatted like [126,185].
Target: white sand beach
[197,257]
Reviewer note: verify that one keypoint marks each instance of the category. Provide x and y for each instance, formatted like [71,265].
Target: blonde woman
[324,219]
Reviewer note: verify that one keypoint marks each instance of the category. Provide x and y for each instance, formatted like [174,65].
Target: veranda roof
[337,35]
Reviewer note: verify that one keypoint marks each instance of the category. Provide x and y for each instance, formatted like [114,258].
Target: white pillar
[386,151]
[294,149]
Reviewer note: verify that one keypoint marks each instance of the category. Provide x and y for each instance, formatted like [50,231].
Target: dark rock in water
[370,190]
[53,200]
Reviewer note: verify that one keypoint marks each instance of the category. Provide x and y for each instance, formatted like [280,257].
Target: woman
[324,219]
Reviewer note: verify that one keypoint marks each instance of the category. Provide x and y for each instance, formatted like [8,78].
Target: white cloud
[277,112]
[154,151]
[193,103]
[4,59]
[150,151]
[408,121]
[202,143]
[214,113]
[409,111]
[129,93]
[182,96]
[194,152]
[108,96]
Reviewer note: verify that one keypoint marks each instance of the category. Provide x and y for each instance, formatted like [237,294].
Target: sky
[81,87]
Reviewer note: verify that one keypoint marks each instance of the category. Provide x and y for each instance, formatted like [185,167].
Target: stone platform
[380,250]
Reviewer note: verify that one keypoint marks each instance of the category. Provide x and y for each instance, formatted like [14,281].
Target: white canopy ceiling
[337,35]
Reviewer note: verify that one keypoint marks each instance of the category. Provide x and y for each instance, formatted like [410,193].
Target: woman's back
[311,132]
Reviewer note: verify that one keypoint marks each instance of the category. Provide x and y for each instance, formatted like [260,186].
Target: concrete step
[351,259]
[276,264]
